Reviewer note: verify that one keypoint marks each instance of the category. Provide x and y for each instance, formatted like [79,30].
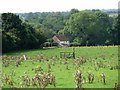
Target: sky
[25,6]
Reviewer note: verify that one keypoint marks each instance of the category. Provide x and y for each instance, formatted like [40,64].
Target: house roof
[62,38]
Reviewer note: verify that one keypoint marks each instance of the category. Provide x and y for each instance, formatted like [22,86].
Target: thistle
[92,78]
[115,85]
[89,77]
[78,78]
[103,77]
[53,80]
[84,78]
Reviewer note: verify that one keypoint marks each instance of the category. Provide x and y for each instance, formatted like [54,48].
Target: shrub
[74,44]
[54,44]
[46,44]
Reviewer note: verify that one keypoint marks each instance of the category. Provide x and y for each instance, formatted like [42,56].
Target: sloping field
[98,67]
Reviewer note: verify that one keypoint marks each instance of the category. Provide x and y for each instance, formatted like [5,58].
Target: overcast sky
[21,6]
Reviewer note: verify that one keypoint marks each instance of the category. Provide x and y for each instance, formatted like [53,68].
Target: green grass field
[98,60]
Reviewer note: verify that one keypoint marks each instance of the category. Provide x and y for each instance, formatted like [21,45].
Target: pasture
[93,67]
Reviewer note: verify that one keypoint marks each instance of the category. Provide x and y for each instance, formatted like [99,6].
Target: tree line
[87,27]
[17,35]
[31,30]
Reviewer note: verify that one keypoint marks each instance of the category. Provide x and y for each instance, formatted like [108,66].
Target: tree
[17,35]
[88,28]
[53,24]
[11,26]
[73,11]
[115,31]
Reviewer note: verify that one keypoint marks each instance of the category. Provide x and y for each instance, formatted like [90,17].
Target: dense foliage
[87,27]
[18,35]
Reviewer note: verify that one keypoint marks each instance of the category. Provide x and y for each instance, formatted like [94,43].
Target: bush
[74,44]
[46,44]
[54,44]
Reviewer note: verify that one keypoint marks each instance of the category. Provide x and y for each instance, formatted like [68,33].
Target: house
[61,40]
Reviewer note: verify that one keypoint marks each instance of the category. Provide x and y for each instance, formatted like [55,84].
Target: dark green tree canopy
[88,28]
[17,35]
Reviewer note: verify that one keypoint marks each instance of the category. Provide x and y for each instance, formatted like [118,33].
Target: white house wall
[65,42]
[62,42]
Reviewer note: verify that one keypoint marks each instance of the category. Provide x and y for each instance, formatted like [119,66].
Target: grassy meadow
[89,60]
